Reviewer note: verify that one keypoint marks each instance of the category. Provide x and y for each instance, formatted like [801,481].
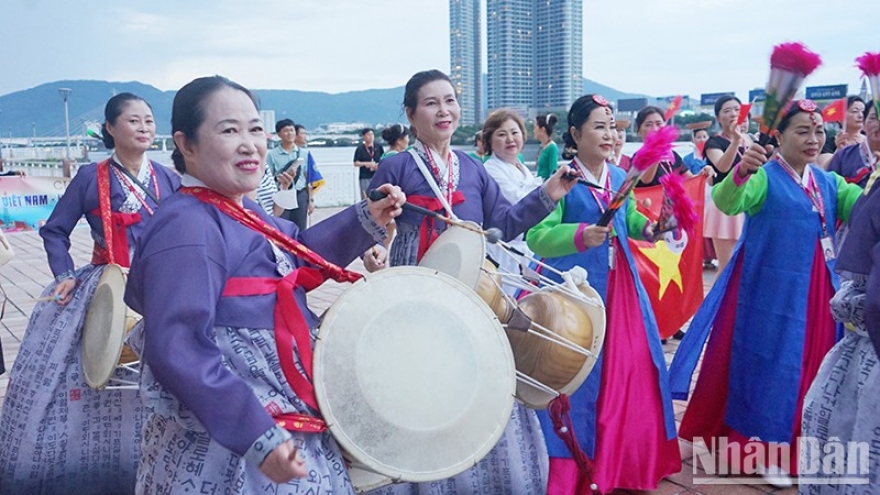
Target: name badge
[610,255]
[828,248]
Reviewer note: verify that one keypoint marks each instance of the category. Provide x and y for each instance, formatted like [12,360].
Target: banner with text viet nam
[26,202]
[672,269]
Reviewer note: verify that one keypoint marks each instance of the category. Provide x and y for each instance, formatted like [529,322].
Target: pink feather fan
[657,148]
[677,204]
[869,63]
[794,57]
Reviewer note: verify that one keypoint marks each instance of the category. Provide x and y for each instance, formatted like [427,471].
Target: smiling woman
[213,278]
[453,182]
[48,400]
[772,300]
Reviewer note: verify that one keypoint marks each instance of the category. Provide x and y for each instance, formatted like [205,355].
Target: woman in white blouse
[504,134]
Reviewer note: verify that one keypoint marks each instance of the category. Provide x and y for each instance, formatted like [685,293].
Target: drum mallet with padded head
[493,235]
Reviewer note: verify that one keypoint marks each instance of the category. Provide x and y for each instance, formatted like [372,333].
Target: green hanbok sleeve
[734,195]
[550,237]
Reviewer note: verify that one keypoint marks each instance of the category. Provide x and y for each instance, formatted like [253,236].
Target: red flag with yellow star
[672,268]
[834,111]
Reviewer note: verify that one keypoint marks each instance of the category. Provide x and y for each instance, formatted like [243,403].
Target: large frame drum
[413,375]
[108,322]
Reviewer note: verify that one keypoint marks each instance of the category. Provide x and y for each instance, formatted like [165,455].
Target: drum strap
[113,223]
[427,233]
[253,221]
[291,329]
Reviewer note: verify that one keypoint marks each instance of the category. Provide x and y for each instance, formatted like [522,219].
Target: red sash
[114,224]
[864,171]
[291,329]
[427,233]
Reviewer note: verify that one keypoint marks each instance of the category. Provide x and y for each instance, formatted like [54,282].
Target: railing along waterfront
[341,187]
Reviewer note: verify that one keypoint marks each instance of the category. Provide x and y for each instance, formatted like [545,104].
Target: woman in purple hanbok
[438,178]
[842,407]
[57,435]
[227,336]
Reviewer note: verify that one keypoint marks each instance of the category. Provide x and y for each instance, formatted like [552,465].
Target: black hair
[188,109]
[298,127]
[852,99]
[281,124]
[722,100]
[394,132]
[701,129]
[366,130]
[415,83]
[793,110]
[478,138]
[646,112]
[578,114]
[546,122]
[112,111]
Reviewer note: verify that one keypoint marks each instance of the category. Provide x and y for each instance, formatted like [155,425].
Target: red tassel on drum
[559,409]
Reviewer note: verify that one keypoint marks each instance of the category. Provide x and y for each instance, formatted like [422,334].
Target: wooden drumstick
[56,297]
[493,234]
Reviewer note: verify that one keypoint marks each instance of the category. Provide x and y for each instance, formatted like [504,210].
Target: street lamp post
[65,92]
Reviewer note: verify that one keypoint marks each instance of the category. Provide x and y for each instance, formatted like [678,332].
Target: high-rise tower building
[466,57]
[535,53]
[510,46]
[558,73]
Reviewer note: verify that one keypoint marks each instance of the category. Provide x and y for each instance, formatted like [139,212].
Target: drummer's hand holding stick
[389,207]
[754,158]
[284,464]
[63,292]
[561,182]
[375,258]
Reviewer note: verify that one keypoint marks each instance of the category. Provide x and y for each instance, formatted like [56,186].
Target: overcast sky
[656,47]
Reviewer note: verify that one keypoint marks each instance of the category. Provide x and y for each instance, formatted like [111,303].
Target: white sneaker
[776,476]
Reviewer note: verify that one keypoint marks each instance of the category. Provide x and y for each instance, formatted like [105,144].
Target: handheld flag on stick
[744,110]
[790,64]
[834,111]
[673,107]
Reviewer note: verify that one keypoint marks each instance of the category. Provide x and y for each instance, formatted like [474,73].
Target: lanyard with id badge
[815,196]
[602,201]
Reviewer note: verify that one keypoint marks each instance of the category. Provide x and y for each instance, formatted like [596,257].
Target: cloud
[641,46]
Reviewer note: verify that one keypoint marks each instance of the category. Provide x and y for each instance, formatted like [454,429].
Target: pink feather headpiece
[657,148]
[794,57]
[682,205]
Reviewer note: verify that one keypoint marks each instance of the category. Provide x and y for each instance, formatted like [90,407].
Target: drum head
[103,330]
[580,320]
[413,374]
[458,252]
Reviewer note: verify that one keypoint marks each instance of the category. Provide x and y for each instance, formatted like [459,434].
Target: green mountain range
[39,111]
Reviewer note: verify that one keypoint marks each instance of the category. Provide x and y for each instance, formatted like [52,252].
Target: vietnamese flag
[673,107]
[834,111]
[744,110]
[672,269]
